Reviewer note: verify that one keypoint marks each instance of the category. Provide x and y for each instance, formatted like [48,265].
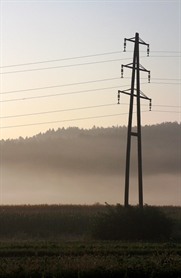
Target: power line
[165,83]
[64,66]
[80,64]
[163,51]
[162,105]
[159,78]
[62,59]
[69,120]
[78,119]
[179,112]
[83,82]
[60,94]
[82,108]
[57,111]
[78,57]
[74,92]
[170,56]
[60,85]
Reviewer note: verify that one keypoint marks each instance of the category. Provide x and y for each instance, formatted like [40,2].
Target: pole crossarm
[142,95]
[140,41]
[141,68]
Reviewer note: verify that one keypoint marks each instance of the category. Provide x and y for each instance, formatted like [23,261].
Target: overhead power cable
[82,108]
[58,111]
[60,94]
[160,78]
[162,105]
[165,83]
[81,83]
[73,92]
[78,119]
[164,51]
[80,64]
[163,56]
[64,66]
[61,121]
[61,59]
[163,111]
[79,57]
[61,85]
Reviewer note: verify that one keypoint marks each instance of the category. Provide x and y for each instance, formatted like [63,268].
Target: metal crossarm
[140,41]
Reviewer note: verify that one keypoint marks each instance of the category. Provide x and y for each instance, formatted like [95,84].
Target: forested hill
[97,150]
[169,129]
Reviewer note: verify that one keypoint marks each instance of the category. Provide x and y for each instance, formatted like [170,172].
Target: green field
[56,241]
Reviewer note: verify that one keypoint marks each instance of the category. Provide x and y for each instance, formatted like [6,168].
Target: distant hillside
[97,150]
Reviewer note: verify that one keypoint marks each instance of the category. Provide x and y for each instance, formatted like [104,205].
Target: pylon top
[139,40]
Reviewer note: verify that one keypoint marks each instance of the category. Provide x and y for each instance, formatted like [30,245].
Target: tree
[132,223]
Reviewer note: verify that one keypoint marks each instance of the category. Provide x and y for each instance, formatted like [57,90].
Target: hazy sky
[42,31]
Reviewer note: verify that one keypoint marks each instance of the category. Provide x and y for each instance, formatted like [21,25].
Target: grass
[55,241]
[89,259]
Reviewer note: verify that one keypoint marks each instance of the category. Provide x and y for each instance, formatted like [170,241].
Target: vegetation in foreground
[55,241]
[90,222]
[95,259]
[132,223]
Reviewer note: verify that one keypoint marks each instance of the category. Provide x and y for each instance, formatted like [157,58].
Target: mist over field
[87,166]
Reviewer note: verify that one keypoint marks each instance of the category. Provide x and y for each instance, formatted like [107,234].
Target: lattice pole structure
[136,68]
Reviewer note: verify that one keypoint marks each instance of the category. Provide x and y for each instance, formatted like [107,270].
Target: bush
[132,223]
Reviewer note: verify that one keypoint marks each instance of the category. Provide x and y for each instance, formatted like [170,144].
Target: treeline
[97,150]
[166,128]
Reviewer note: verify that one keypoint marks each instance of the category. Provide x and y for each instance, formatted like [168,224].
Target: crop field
[89,259]
[55,241]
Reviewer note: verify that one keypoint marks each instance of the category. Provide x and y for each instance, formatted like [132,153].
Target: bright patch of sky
[38,31]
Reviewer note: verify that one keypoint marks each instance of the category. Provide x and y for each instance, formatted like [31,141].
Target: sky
[60,63]
[60,66]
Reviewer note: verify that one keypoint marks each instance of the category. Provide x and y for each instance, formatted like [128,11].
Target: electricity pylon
[136,68]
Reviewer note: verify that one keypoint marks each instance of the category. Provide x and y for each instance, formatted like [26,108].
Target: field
[55,241]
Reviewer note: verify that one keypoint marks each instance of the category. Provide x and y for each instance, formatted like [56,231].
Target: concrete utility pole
[136,68]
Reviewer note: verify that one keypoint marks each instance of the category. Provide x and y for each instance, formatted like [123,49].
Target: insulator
[124,45]
[121,71]
[150,105]
[148,50]
[118,97]
[149,76]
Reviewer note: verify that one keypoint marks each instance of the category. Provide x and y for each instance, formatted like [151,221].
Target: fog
[73,166]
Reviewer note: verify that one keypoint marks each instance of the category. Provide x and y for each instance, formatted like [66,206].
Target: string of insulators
[124,45]
[121,71]
[118,97]
[148,50]
[150,105]
[149,76]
